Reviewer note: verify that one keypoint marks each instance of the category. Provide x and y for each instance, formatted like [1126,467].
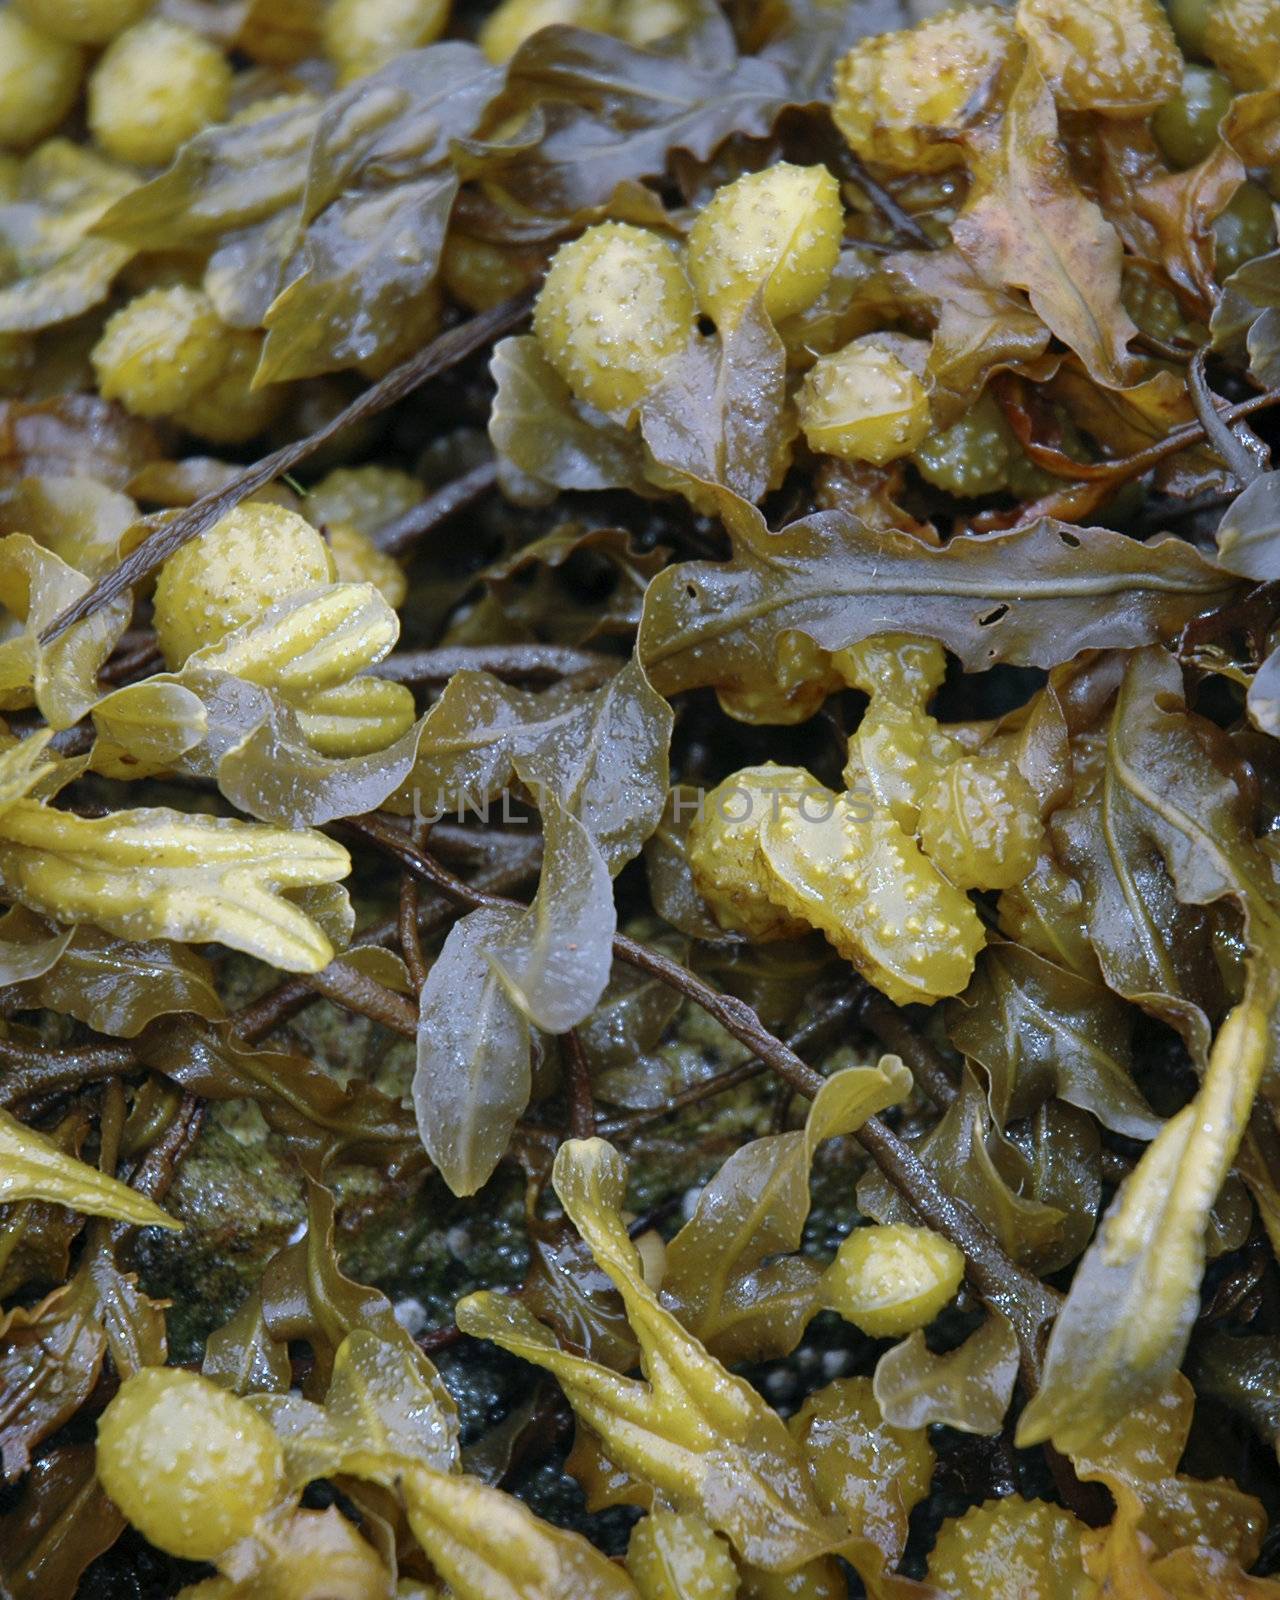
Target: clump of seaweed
[702,579]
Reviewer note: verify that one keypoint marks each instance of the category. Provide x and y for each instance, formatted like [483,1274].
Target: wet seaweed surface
[639,889]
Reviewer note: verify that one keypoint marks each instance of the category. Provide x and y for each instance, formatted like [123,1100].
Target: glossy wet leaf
[1045,913]
[500,971]
[776,980]
[1151,937]
[484,1542]
[242,1356]
[536,590]
[329,220]
[671,885]
[1031,1548]
[1039,1030]
[1121,1558]
[29,767]
[29,946]
[49,1362]
[1152,948]
[1244,1374]
[1264,696]
[535,423]
[473,1073]
[600,753]
[1246,321]
[968,1388]
[1181,209]
[383,966]
[307,1553]
[36,1236]
[134,1322]
[734,1276]
[980,1167]
[32,1167]
[466,748]
[1062,1147]
[1137,1458]
[73,435]
[59,268]
[368,248]
[377,1402]
[225,177]
[1166,218]
[1250,127]
[274,772]
[157,873]
[979,329]
[51,1353]
[1126,1321]
[60,678]
[700,1435]
[1040,748]
[565,1289]
[118,986]
[869,1470]
[315,218]
[147,727]
[607,766]
[1249,534]
[631,107]
[304,1294]
[1264,348]
[320,1117]
[1026,225]
[622,1034]
[718,415]
[1029,596]
[79,519]
[61,1523]
[555,960]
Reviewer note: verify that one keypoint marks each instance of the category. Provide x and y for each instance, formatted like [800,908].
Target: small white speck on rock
[411,1314]
[834,1363]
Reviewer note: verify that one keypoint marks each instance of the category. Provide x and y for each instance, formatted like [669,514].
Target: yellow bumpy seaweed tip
[192,1466]
[863,403]
[890,1279]
[616,306]
[898,96]
[252,557]
[778,230]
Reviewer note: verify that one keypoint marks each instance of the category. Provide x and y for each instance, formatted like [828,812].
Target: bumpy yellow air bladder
[882,868]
